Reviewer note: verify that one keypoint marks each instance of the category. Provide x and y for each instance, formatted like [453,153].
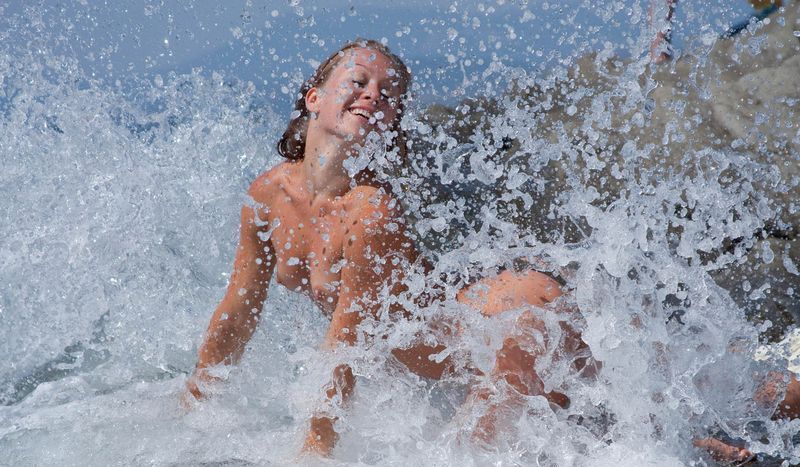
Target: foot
[723,452]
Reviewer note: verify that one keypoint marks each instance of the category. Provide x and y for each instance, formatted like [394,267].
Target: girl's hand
[199,381]
[321,438]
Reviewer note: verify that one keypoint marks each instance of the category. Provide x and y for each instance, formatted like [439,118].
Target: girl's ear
[312,100]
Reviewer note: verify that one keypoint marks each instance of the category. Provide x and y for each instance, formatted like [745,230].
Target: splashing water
[666,205]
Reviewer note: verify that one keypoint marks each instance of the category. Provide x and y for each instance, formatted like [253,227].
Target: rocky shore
[737,95]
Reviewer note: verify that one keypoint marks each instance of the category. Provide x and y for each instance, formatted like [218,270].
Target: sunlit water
[120,204]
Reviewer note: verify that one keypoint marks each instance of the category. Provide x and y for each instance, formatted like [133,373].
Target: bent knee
[510,290]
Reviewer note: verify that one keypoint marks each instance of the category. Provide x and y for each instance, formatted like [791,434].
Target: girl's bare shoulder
[373,204]
[272,182]
[376,228]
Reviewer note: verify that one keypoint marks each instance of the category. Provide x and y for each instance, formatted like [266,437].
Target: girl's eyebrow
[387,83]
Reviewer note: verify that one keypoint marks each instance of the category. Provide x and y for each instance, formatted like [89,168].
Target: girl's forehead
[366,58]
[363,60]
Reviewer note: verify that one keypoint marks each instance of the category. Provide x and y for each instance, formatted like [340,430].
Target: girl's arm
[235,319]
[376,251]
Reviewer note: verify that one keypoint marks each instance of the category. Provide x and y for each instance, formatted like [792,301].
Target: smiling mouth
[361,113]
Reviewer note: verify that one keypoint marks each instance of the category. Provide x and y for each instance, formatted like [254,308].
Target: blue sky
[275,43]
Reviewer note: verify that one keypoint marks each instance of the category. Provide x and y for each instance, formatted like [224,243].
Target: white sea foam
[120,208]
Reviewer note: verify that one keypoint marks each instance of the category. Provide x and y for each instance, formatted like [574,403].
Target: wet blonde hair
[292,144]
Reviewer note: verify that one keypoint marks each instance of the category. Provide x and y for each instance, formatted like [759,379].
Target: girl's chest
[309,256]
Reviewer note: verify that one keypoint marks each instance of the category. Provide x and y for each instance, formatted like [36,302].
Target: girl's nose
[371,91]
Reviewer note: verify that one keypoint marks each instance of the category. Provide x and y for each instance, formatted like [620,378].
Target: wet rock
[765,282]
[738,95]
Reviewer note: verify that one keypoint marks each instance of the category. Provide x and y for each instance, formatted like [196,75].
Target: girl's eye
[358,83]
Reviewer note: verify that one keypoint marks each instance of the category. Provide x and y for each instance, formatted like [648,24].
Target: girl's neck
[324,174]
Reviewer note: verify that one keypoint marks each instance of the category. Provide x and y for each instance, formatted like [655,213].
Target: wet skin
[342,243]
[326,233]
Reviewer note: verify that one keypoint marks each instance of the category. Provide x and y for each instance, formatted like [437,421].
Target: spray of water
[666,207]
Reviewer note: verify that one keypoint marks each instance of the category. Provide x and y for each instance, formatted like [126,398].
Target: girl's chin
[358,133]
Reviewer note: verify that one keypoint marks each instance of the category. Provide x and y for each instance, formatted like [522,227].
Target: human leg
[514,376]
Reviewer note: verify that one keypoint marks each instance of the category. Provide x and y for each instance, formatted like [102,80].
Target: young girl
[340,236]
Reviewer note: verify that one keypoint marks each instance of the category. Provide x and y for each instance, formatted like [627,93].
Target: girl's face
[361,95]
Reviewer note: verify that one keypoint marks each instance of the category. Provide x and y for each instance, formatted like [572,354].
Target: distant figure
[661,46]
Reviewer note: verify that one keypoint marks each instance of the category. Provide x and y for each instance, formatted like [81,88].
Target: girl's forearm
[322,436]
[228,333]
